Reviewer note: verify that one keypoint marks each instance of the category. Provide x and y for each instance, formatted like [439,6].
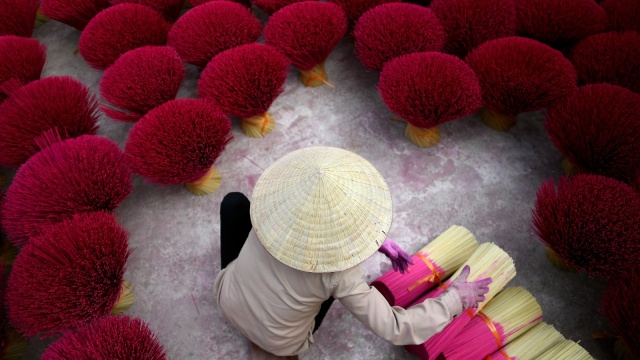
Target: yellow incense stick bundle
[566,350]
[208,184]
[126,299]
[15,346]
[531,344]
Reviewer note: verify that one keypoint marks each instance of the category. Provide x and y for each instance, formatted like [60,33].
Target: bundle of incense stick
[431,266]
[529,345]
[509,315]
[488,260]
[566,350]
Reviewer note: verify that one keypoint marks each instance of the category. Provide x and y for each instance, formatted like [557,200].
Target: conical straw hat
[321,209]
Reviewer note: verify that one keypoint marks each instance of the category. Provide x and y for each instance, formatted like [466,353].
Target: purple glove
[400,260]
[471,293]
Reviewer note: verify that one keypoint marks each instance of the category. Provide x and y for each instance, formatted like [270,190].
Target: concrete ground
[476,177]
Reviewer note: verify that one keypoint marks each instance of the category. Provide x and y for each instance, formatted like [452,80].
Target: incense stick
[529,345]
[566,350]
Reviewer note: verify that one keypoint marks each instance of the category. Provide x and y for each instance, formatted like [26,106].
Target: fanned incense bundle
[620,307]
[71,274]
[271,6]
[18,17]
[428,89]
[529,345]
[488,260]
[306,32]
[75,13]
[622,14]
[21,60]
[244,82]
[140,80]
[566,350]
[194,3]
[512,312]
[355,8]
[170,8]
[431,266]
[111,337]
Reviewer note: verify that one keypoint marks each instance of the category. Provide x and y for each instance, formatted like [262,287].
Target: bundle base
[570,168]
[557,261]
[126,299]
[8,253]
[208,184]
[315,77]
[258,126]
[497,121]
[422,137]
[41,19]
[622,351]
[15,348]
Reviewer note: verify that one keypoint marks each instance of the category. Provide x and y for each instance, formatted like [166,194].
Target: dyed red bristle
[591,222]
[306,32]
[83,174]
[428,89]
[21,59]
[246,3]
[597,128]
[622,14]
[244,81]
[178,142]
[211,28]
[519,75]
[75,13]
[111,337]
[271,6]
[620,307]
[469,23]
[170,8]
[60,103]
[355,8]
[18,17]
[611,57]
[559,23]
[71,274]
[118,29]
[140,80]
[391,30]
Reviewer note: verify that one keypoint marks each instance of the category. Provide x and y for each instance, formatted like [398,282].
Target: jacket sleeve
[392,323]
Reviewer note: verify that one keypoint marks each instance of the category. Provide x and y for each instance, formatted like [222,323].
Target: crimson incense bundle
[211,28]
[577,223]
[469,23]
[596,129]
[620,307]
[271,6]
[83,174]
[111,337]
[355,8]
[428,89]
[431,266]
[118,29]
[18,17]
[140,80]
[55,103]
[170,8]
[390,30]
[246,3]
[529,345]
[70,274]
[244,82]
[622,14]
[178,143]
[306,32]
[519,75]
[75,13]
[21,61]
[612,58]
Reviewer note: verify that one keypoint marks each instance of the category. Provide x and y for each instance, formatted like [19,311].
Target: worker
[316,214]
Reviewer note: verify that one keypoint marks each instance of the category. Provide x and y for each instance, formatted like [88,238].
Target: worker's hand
[400,260]
[471,293]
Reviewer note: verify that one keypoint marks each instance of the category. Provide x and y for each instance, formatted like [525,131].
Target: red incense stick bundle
[111,337]
[306,32]
[622,14]
[53,103]
[431,266]
[612,58]
[390,30]
[244,82]
[75,13]
[519,75]
[246,3]
[178,143]
[21,61]
[566,350]
[140,80]
[620,307]
[271,6]
[529,345]
[18,17]
[170,8]
[71,274]
[512,312]
[428,89]
[118,29]
[355,8]
[211,28]
[596,129]
[83,174]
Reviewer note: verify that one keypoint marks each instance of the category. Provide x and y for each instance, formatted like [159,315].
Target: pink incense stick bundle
[540,338]
[271,6]
[18,17]
[118,29]
[140,80]
[620,307]
[622,14]
[178,143]
[75,13]
[170,8]
[355,8]
[111,337]
[211,28]
[58,103]
[431,266]
[391,30]
[306,32]
[71,274]
[488,260]
[83,174]
[512,312]
[244,82]
[21,61]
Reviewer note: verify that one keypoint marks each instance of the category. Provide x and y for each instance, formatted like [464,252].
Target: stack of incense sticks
[431,266]
[566,350]
[530,345]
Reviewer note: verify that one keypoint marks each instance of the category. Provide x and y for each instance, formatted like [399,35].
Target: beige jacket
[274,305]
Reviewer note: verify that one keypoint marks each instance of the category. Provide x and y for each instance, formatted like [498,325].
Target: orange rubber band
[318,77]
[434,277]
[264,120]
[491,327]
[424,132]
[205,178]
